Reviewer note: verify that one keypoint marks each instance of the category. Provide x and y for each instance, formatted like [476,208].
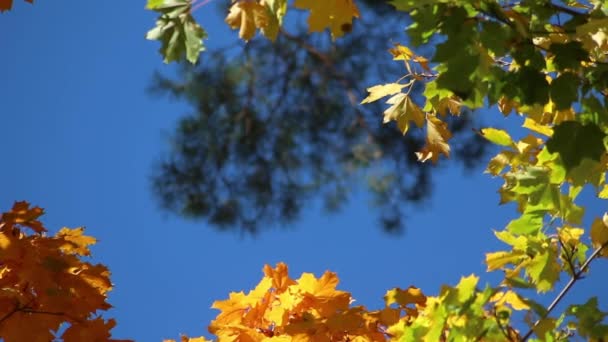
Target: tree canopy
[277,125]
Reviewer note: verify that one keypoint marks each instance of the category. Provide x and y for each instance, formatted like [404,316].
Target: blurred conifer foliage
[275,127]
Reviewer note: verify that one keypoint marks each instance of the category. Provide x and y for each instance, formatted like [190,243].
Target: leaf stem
[575,277]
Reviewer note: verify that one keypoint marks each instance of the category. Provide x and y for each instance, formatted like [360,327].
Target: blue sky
[81,135]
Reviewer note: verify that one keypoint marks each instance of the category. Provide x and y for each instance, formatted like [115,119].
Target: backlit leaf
[379,91]
[497,136]
[337,15]
[180,35]
[437,135]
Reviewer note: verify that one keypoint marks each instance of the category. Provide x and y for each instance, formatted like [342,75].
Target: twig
[196,5]
[575,277]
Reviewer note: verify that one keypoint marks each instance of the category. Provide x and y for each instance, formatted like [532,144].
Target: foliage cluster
[47,290]
[544,60]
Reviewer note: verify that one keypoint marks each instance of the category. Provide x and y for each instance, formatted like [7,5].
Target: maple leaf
[411,295]
[379,91]
[322,293]
[280,277]
[6,5]
[403,110]
[511,298]
[247,16]
[23,215]
[177,30]
[337,15]
[75,242]
[437,135]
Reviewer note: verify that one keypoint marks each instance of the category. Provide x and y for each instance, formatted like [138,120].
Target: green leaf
[179,34]
[544,269]
[564,90]
[568,55]
[494,37]
[528,223]
[575,141]
[532,85]
[590,319]
[497,136]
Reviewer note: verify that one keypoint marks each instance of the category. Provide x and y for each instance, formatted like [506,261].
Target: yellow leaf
[538,128]
[599,234]
[437,135]
[280,277]
[379,91]
[604,192]
[247,16]
[401,52]
[76,243]
[451,104]
[411,295]
[511,298]
[403,110]
[337,15]
[276,10]
[497,136]
[499,162]
[497,260]
[570,235]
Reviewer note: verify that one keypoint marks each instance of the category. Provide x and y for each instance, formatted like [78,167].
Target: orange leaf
[280,277]
[75,242]
[21,214]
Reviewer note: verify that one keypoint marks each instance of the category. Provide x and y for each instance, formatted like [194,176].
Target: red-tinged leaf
[6,5]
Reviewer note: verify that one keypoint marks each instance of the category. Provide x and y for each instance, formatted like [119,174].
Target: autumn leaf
[497,136]
[599,234]
[21,214]
[45,284]
[337,15]
[379,91]
[6,5]
[437,135]
[76,242]
[511,298]
[411,295]
[276,10]
[403,110]
[247,16]
[280,277]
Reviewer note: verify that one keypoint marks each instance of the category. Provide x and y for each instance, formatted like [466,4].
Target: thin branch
[9,314]
[575,277]
[196,5]
[568,253]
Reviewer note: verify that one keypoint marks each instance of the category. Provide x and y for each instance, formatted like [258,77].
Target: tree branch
[575,277]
